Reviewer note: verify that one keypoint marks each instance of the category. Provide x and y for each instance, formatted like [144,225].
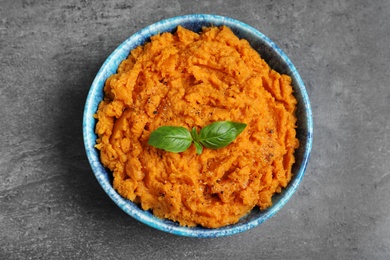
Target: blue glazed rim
[270,52]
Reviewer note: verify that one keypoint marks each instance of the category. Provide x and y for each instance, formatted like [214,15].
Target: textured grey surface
[51,206]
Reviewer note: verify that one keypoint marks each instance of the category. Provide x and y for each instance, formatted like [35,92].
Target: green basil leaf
[239,127]
[171,138]
[220,134]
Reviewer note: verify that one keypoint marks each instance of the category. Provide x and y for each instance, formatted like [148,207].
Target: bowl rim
[89,122]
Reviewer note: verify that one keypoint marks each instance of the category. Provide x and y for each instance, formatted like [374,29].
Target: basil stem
[195,137]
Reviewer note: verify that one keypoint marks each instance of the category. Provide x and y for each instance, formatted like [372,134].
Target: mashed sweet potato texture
[194,79]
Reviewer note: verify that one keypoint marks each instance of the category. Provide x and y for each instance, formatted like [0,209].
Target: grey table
[51,206]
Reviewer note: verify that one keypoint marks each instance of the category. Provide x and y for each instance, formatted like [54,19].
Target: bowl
[270,52]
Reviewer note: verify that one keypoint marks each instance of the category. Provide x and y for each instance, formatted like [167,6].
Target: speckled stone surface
[52,207]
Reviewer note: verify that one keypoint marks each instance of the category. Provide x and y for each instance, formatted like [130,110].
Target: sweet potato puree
[194,79]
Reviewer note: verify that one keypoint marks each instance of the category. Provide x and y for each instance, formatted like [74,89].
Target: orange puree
[194,79]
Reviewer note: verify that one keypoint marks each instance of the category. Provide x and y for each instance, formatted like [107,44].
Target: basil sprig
[178,139]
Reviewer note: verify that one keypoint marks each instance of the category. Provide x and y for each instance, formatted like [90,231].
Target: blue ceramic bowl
[272,54]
